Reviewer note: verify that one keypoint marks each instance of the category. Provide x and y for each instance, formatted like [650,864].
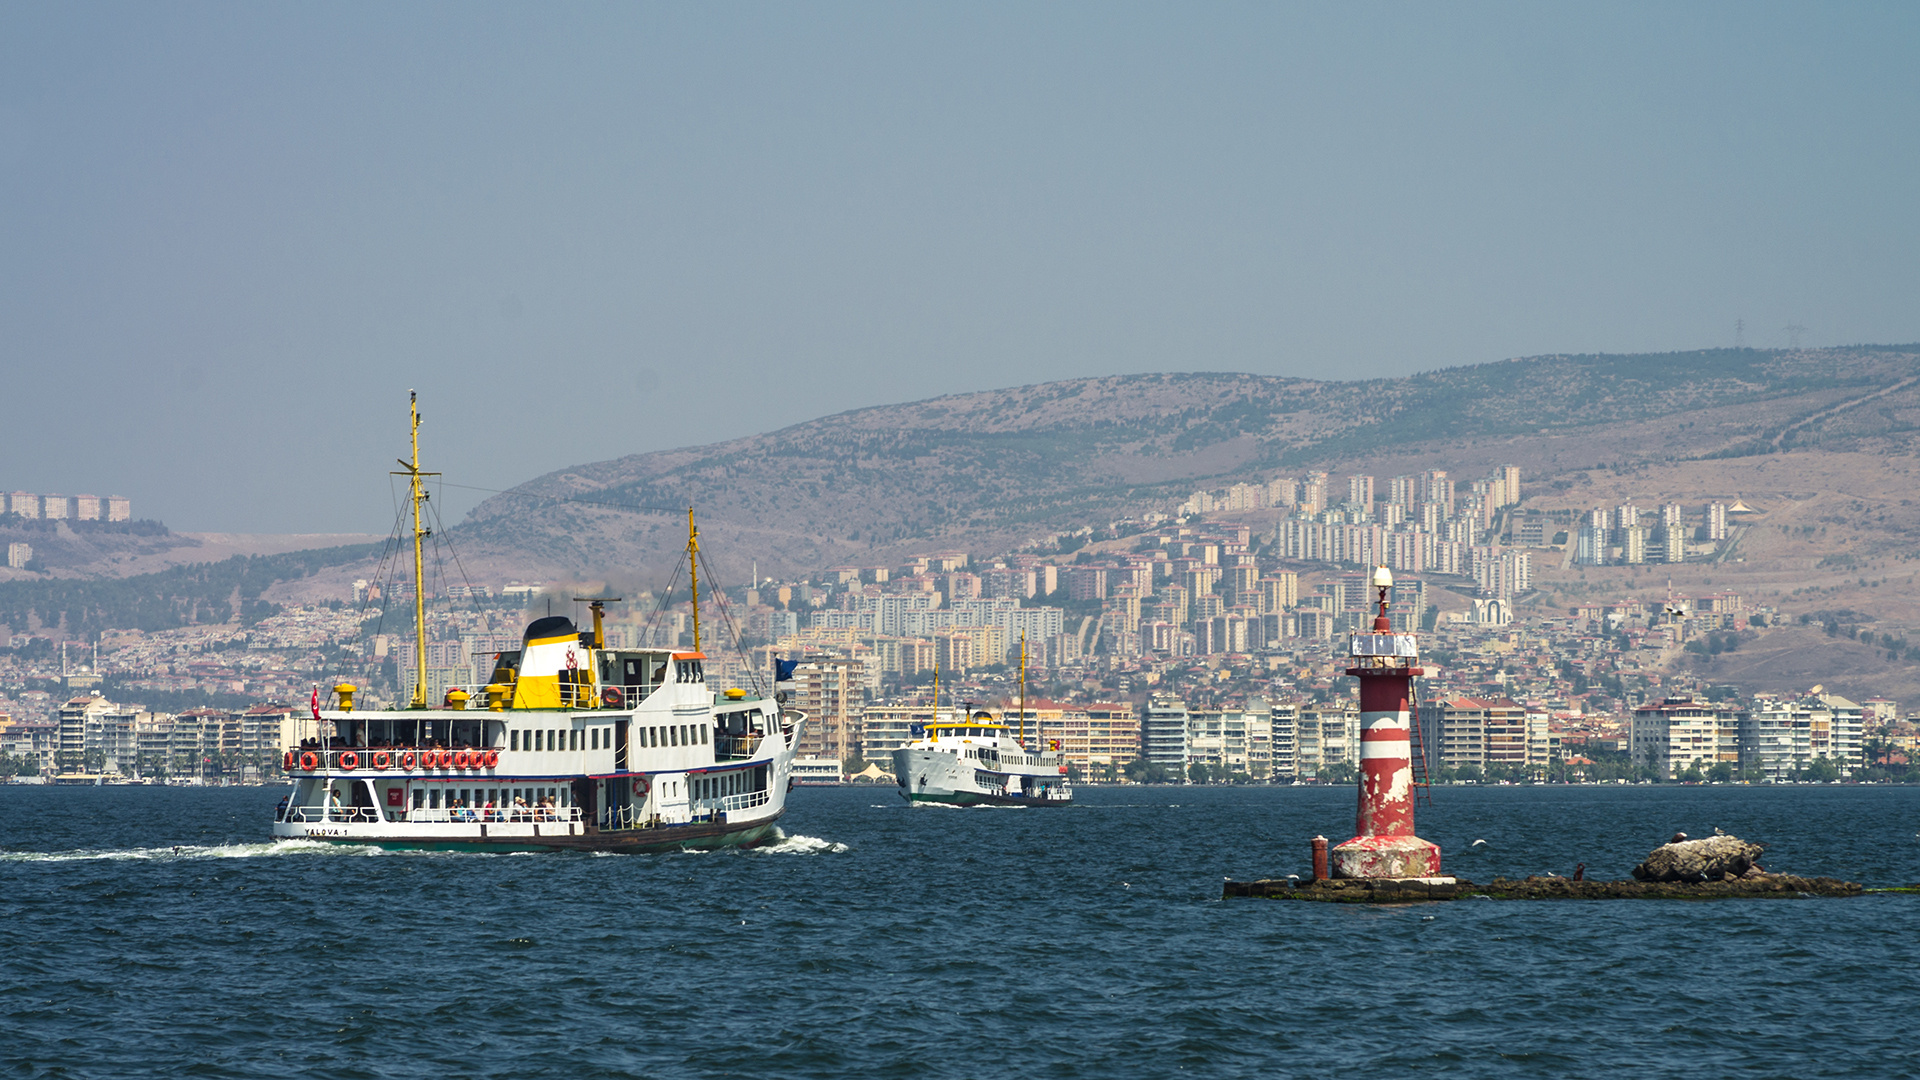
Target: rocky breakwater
[1714,858]
[1717,867]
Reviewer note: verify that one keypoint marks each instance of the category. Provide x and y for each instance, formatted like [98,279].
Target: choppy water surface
[149,931]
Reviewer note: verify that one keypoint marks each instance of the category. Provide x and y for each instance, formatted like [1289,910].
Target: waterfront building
[1283,731]
[1678,734]
[1164,733]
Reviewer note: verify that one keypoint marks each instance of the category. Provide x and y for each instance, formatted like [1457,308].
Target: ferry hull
[696,837]
[971,798]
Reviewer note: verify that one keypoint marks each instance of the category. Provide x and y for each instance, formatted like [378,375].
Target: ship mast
[693,572]
[1023,693]
[417,494]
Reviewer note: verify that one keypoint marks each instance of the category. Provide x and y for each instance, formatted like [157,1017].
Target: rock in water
[1711,858]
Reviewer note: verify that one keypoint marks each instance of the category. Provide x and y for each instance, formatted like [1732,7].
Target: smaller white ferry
[978,761]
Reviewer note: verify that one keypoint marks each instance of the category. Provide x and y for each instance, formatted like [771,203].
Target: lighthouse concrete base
[1385,857]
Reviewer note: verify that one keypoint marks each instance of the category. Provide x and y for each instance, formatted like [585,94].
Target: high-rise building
[1590,547]
[1313,493]
[1510,484]
[1716,521]
[1164,734]
[1403,491]
[1279,591]
[1360,492]
[1633,544]
[832,692]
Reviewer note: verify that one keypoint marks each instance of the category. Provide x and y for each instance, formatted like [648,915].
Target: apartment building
[1781,738]
[1164,733]
[1326,736]
[1283,733]
[1678,734]
[1462,731]
[832,692]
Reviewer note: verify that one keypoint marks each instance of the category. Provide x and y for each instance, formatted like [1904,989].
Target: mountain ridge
[1007,467]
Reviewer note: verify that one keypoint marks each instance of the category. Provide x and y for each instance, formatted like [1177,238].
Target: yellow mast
[1023,692]
[693,572]
[417,494]
[936,686]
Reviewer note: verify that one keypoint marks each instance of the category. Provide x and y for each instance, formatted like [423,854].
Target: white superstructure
[979,762]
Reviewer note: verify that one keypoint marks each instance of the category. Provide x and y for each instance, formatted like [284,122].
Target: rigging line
[440,531]
[666,597]
[440,537]
[393,539]
[720,594]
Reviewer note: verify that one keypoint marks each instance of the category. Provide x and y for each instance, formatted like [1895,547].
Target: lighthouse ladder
[1422,785]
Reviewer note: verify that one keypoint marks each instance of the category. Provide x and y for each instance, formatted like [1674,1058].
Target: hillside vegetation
[197,594]
[1006,467]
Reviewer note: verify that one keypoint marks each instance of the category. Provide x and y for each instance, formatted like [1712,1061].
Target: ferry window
[703,734]
[513,740]
[573,740]
[433,799]
[673,735]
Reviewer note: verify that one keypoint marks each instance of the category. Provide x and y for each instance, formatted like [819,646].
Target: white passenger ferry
[979,762]
[569,746]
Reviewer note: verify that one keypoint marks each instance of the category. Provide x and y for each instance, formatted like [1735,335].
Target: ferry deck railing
[557,815]
[701,810]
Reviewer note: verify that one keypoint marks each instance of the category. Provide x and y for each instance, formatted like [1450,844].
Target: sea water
[153,931]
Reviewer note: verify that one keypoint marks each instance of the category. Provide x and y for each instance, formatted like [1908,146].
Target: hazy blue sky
[233,235]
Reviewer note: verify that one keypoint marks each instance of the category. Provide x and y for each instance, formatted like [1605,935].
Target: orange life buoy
[309,761]
[612,698]
[440,759]
[286,763]
[493,758]
[382,759]
[349,760]
[406,760]
[640,786]
[460,759]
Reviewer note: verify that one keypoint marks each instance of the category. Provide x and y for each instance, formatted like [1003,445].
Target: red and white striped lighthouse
[1384,845]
